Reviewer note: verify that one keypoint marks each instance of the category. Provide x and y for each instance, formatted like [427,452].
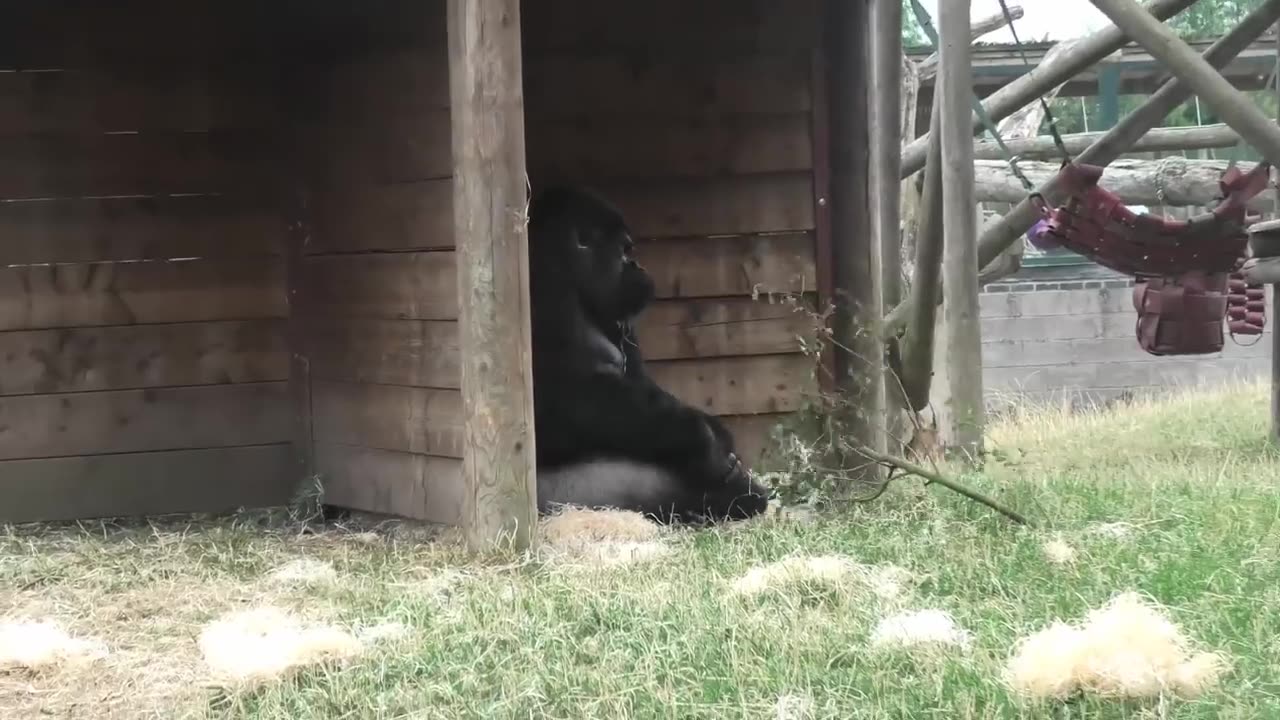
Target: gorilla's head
[580,242]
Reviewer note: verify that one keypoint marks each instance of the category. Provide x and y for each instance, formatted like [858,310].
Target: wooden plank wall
[703,138]
[143,367]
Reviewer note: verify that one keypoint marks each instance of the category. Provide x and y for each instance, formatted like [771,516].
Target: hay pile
[601,538]
[1127,648]
[43,645]
[254,646]
[927,629]
[828,572]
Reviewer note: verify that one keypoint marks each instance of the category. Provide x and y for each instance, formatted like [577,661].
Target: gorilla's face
[581,233]
[611,284]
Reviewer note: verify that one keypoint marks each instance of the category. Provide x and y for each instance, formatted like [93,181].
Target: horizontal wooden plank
[778,202]
[40,166]
[388,417]
[421,353]
[422,285]
[80,230]
[399,147]
[751,435]
[417,285]
[142,356]
[682,329]
[138,484]
[738,386]
[1157,371]
[659,26]
[735,265]
[137,97]
[665,85]
[1024,353]
[635,146]
[73,33]
[401,216]
[36,297]
[120,421]
[421,487]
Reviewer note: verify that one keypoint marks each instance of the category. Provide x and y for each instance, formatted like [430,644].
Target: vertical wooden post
[856,255]
[886,186]
[960,269]
[490,201]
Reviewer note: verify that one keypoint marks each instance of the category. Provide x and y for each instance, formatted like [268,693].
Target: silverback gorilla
[606,434]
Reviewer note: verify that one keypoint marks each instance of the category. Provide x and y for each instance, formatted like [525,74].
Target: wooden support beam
[887,88]
[1042,147]
[961,315]
[297,239]
[1010,228]
[917,346]
[856,256]
[1275,289]
[490,200]
[1234,107]
[1174,181]
[1087,51]
[928,67]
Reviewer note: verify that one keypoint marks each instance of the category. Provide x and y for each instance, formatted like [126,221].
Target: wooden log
[928,67]
[1171,182]
[887,90]
[1000,235]
[960,233]
[1275,301]
[1042,147]
[917,348]
[1233,106]
[491,228]
[856,257]
[1088,51]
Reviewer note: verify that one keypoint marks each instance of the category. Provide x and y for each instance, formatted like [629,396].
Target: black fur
[606,434]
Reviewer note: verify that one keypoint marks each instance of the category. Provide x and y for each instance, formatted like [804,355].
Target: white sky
[1054,19]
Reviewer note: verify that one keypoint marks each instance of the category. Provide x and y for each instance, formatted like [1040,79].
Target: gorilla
[606,434]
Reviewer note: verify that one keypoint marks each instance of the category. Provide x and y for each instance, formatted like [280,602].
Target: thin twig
[912,469]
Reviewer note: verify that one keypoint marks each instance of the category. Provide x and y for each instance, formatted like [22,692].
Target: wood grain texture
[142,484]
[136,97]
[75,230]
[420,353]
[655,85]
[401,147]
[37,297]
[489,201]
[142,356]
[120,421]
[705,28]
[641,147]
[751,435]
[414,285]
[389,417]
[723,266]
[401,216]
[40,166]
[681,207]
[723,327]
[739,385]
[421,487]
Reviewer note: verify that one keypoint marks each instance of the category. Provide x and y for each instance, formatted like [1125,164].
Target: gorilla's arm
[628,417]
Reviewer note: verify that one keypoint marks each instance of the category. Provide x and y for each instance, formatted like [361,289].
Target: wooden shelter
[230,252]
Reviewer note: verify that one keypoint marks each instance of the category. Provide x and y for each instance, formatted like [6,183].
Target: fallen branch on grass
[911,468]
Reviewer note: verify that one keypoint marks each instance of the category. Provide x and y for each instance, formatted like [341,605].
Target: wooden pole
[1010,227]
[928,67]
[917,345]
[490,200]
[1233,106]
[1042,147]
[1275,288]
[856,255]
[1087,51]
[960,233]
[886,185]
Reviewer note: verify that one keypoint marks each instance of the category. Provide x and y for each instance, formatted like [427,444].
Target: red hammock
[1187,272]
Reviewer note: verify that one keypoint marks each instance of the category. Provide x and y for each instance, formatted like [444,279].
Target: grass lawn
[1192,482]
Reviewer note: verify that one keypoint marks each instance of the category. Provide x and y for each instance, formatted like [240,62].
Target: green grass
[1195,476]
